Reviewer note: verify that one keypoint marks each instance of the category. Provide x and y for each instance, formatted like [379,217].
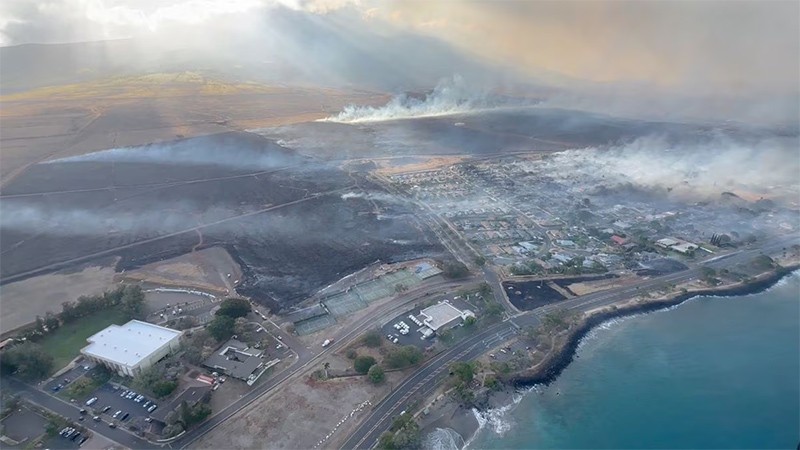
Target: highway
[423,381]
[307,357]
[430,374]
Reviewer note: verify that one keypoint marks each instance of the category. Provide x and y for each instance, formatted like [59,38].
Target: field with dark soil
[488,133]
[282,216]
[528,295]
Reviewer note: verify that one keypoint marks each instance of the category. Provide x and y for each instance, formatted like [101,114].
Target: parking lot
[109,401]
[413,337]
[70,376]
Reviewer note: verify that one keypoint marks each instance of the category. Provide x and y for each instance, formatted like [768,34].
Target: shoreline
[464,422]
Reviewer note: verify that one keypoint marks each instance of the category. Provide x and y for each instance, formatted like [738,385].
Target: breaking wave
[443,439]
[450,96]
[498,420]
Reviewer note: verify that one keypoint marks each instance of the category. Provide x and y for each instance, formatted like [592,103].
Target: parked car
[124,416]
[152,408]
[116,414]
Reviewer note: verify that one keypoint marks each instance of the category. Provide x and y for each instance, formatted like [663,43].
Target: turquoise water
[711,373]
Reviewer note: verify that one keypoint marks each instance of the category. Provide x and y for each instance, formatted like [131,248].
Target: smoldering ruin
[298,207]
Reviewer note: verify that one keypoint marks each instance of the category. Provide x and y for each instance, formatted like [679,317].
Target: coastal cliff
[560,357]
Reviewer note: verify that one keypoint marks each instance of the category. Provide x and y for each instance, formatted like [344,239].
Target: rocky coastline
[547,372]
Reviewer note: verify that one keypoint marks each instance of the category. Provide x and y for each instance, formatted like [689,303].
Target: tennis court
[344,303]
[311,326]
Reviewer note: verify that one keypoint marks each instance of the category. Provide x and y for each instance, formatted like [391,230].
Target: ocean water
[710,373]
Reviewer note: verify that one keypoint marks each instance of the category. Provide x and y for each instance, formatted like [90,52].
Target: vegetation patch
[65,343]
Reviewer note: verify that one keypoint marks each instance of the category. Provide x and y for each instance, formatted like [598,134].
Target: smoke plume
[450,96]
[707,168]
[221,150]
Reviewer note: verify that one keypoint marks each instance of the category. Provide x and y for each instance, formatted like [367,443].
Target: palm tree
[325,367]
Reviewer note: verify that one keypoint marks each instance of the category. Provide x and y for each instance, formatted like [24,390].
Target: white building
[443,315]
[130,348]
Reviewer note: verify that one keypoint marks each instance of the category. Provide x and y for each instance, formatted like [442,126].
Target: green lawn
[66,342]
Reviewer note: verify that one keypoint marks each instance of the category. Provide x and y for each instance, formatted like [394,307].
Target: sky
[738,49]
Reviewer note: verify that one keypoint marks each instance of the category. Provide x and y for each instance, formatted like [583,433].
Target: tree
[51,321]
[400,287]
[484,289]
[172,417]
[28,360]
[240,326]
[163,388]
[149,378]
[469,321]
[221,327]
[193,355]
[363,363]
[172,430]
[493,310]
[133,301]
[464,371]
[455,270]
[234,307]
[480,261]
[405,356]
[373,339]
[376,374]
[385,442]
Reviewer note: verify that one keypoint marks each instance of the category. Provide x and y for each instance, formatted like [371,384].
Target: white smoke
[450,96]
[197,151]
[374,196]
[85,222]
[766,166]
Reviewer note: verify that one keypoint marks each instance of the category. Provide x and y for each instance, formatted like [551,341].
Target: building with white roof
[443,315]
[128,349]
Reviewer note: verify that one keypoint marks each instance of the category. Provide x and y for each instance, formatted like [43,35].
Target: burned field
[285,217]
[490,132]
[528,295]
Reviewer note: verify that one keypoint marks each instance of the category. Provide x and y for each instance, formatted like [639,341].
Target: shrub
[373,339]
[363,363]
[376,374]
[234,307]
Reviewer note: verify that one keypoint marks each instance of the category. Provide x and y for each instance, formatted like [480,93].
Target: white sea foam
[499,420]
[443,439]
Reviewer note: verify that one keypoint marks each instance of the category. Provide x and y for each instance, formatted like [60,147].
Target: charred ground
[281,214]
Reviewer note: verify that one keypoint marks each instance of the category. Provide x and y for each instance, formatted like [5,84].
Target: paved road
[70,411]
[308,357]
[425,380]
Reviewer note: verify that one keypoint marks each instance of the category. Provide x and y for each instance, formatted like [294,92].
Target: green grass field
[66,342]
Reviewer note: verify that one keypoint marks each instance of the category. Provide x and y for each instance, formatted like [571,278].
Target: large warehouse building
[130,348]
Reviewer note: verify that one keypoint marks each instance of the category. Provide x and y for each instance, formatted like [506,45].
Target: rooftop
[440,314]
[130,343]
[235,359]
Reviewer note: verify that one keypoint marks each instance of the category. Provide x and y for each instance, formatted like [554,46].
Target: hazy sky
[692,47]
